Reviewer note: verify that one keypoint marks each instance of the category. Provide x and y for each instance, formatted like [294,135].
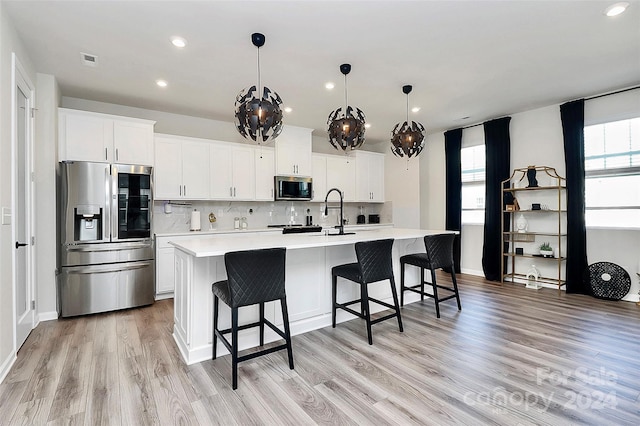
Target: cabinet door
[363,191]
[165,271]
[195,170]
[319,176]
[341,174]
[221,180]
[265,169]
[85,138]
[244,173]
[167,173]
[293,151]
[376,177]
[133,142]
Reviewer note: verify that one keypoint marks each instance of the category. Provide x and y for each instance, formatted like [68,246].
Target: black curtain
[498,168]
[453,215]
[572,115]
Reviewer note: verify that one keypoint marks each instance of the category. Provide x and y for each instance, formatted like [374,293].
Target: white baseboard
[472,272]
[47,316]
[163,296]
[6,366]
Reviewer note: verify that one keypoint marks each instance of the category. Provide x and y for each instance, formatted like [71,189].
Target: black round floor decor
[607,280]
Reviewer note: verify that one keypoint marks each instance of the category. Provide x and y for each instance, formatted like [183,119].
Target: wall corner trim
[5,367]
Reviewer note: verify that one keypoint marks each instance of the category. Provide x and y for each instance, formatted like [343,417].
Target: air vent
[88,59]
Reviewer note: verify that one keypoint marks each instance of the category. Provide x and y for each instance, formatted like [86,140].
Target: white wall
[536,139]
[47,102]
[9,42]
[402,189]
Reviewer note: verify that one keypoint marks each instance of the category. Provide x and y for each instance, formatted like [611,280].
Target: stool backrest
[255,276]
[440,250]
[374,259]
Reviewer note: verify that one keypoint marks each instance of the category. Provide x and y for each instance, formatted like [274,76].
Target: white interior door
[22,132]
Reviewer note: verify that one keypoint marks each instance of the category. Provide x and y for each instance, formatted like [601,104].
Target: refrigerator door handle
[107,248]
[113,191]
[93,270]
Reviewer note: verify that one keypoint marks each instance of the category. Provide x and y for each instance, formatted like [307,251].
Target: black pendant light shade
[258,114]
[407,138]
[346,125]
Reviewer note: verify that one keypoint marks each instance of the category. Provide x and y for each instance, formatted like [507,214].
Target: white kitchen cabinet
[181,168]
[103,138]
[232,172]
[319,176]
[265,170]
[341,174]
[369,177]
[293,151]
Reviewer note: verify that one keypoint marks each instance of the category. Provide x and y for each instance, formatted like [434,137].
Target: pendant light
[346,126]
[258,114]
[407,138]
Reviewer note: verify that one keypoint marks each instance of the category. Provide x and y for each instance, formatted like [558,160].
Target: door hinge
[33,241]
[33,305]
[33,112]
[33,176]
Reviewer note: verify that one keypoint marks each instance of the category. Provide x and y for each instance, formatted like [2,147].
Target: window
[612,165]
[473,184]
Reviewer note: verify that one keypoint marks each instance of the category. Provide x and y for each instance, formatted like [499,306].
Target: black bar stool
[439,255]
[374,264]
[253,277]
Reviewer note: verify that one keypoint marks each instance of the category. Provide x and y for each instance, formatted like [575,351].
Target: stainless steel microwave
[293,188]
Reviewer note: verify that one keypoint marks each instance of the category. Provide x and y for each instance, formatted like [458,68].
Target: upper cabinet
[232,174]
[341,174]
[319,176]
[265,170]
[181,168]
[369,177]
[293,151]
[88,136]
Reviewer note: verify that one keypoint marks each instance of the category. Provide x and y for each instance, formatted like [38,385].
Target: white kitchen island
[200,262]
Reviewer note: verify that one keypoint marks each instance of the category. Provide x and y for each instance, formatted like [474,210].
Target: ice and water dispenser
[87,223]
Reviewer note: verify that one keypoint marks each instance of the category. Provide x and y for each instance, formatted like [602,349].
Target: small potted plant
[546,250]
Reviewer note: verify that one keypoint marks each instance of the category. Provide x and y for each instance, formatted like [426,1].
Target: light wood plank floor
[511,356]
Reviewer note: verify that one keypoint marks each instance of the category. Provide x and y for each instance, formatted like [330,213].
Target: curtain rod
[586,99]
[612,93]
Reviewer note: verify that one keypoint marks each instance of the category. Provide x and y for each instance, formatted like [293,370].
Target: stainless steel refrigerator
[105,250]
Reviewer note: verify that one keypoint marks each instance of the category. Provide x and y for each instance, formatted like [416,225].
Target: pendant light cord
[345,95]
[407,109]
[259,88]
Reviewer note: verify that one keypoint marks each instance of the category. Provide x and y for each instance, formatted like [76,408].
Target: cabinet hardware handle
[117,154]
[230,191]
[106,157]
[185,190]
[234,191]
[180,187]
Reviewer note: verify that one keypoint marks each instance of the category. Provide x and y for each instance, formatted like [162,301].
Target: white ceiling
[476,59]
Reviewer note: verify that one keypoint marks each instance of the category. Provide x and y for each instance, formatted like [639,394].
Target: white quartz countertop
[213,232]
[218,245]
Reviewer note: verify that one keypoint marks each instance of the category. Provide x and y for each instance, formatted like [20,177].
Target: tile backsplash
[175,216]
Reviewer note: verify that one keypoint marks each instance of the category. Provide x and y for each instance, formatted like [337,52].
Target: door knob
[18,245]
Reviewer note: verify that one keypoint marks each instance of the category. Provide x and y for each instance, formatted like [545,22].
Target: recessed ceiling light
[329,86]
[415,109]
[616,9]
[161,83]
[287,109]
[178,42]
[367,125]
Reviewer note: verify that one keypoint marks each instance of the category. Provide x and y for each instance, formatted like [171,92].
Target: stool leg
[334,285]
[455,287]
[261,323]
[402,264]
[435,291]
[215,326]
[364,296]
[422,284]
[234,347]
[287,332]
[395,302]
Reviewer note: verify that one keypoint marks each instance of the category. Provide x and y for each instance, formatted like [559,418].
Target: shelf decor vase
[531,177]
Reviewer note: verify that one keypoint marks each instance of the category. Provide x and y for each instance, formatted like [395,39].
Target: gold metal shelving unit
[557,233]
